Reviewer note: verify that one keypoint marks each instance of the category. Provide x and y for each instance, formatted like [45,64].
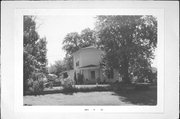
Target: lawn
[80,98]
[139,97]
[92,95]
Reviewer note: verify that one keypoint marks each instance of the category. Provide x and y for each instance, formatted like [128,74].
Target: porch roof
[89,67]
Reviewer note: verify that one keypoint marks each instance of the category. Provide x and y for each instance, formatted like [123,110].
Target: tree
[57,68]
[29,39]
[68,60]
[87,38]
[71,42]
[41,54]
[74,41]
[34,50]
[128,42]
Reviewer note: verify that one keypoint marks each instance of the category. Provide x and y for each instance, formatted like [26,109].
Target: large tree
[128,42]
[74,41]
[71,42]
[34,50]
[87,38]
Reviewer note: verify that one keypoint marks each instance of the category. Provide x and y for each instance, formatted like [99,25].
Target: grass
[137,94]
[94,98]
[125,93]
[139,97]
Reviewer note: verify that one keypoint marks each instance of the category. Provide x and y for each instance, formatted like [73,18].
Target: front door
[93,75]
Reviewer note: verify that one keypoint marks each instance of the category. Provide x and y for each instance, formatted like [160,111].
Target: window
[92,74]
[77,63]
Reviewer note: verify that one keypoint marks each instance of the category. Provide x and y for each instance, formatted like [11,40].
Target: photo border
[159,13]
[11,109]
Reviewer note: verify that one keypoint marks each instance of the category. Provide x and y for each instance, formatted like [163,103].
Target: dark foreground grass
[135,94]
[139,97]
[143,96]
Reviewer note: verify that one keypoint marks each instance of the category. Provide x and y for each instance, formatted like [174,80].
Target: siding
[90,56]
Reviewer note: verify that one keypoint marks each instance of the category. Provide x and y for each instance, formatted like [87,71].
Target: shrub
[36,87]
[68,83]
[80,78]
[36,83]
[29,85]
[98,80]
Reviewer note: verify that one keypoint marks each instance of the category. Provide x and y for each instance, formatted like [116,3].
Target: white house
[86,62]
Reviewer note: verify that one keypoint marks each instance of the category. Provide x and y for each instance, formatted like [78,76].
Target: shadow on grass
[138,97]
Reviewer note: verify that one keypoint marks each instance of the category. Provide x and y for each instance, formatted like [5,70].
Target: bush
[36,83]
[68,83]
[80,78]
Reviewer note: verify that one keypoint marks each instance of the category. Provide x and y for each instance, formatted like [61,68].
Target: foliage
[35,83]
[34,52]
[80,78]
[128,41]
[57,68]
[71,42]
[145,73]
[68,83]
[87,38]
[68,60]
[74,41]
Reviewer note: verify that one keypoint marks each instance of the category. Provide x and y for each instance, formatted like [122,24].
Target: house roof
[89,47]
[91,65]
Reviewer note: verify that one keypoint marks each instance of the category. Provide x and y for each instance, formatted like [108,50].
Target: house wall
[76,58]
[90,56]
[87,57]
[87,76]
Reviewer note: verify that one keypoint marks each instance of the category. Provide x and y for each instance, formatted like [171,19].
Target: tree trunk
[126,78]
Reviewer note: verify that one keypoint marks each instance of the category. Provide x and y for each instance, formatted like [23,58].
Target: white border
[171,59]
[159,13]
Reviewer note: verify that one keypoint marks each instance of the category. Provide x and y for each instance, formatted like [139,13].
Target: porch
[91,74]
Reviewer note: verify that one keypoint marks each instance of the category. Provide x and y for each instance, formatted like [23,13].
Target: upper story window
[77,63]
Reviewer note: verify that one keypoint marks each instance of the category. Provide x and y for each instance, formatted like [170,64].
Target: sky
[55,28]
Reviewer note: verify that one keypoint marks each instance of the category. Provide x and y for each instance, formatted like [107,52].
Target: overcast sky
[55,28]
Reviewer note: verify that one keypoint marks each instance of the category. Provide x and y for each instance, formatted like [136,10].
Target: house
[87,69]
